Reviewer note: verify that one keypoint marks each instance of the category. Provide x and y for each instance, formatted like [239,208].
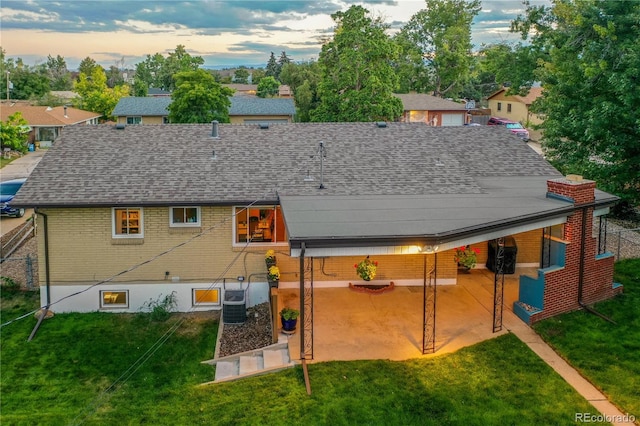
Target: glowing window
[204,297]
[114,299]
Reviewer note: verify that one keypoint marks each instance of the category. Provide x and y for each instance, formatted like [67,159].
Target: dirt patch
[253,334]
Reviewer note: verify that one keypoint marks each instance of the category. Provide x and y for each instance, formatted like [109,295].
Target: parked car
[8,190]
[513,126]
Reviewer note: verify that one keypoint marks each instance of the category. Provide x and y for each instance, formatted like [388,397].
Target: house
[284,91]
[244,109]
[431,110]
[142,110]
[517,108]
[191,209]
[153,91]
[47,122]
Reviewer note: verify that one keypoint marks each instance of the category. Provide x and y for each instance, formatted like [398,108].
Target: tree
[241,75]
[591,89]
[96,96]
[158,72]
[513,65]
[14,133]
[198,98]
[272,69]
[59,76]
[268,87]
[282,61]
[87,66]
[357,78]
[303,79]
[441,33]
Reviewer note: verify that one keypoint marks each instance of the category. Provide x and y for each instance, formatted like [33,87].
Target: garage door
[452,119]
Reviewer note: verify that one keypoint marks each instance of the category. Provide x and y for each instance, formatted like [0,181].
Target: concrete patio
[349,325]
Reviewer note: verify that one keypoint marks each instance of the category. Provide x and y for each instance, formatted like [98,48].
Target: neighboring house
[65,95]
[249,109]
[152,91]
[516,108]
[284,91]
[190,209]
[47,123]
[142,110]
[244,109]
[431,110]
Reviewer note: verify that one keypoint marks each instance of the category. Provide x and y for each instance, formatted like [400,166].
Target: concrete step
[226,369]
[275,357]
[259,361]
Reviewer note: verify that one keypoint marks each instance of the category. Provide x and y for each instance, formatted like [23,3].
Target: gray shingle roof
[142,106]
[155,164]
[249,105]
[240,105]
[424,102]
[406,179]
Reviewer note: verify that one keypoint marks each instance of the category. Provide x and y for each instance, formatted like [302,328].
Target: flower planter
[273,284]
[289,325]
[270,263]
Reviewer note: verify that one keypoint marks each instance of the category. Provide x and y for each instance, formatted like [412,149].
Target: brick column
[562,286]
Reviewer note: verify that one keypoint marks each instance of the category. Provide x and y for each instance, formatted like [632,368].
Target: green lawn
[607,354]
[5,161]
[66,375]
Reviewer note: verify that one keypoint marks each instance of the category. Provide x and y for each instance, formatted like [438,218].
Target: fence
[16,237]
[22,270]
[624,243]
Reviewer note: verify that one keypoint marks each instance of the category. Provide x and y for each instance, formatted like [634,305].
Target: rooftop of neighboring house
[240,105]
[424,102]
[249,105]
[157,92]
[59,116]
[533,94]
[392,179]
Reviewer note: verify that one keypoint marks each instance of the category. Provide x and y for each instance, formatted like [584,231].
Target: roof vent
[381,124]
[263,126]
[214,129]
[120,126]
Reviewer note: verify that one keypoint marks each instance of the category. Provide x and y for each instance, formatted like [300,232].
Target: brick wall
[562,286]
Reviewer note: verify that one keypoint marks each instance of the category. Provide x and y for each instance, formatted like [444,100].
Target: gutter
[47,274]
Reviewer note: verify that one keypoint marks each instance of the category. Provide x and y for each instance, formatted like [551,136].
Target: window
[184,216]
[134,120]
[508,107]
[206,296]
[499,106]
[114,299]
[259,225]
[127,222]
[165,120]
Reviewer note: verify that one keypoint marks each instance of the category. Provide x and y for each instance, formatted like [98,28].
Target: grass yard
[608,354]
[81,368]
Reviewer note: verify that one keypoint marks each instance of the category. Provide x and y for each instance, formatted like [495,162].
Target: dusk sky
[224,33]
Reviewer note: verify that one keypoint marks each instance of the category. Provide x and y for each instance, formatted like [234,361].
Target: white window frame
[195,303]
[113,223]
[133,118]
[114,305]
[185,224]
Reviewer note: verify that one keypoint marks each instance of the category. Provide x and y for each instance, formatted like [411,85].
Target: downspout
[581,270]
[47,280]
[303,248]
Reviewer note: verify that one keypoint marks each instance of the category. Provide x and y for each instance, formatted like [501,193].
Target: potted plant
[289,318]
[270,258]
[366,269]
[466,257]
[273,276]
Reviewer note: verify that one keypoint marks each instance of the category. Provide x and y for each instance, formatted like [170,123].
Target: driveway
[19,168]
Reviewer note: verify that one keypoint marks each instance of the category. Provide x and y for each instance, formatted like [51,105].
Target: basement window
[114,299]
[206,297]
